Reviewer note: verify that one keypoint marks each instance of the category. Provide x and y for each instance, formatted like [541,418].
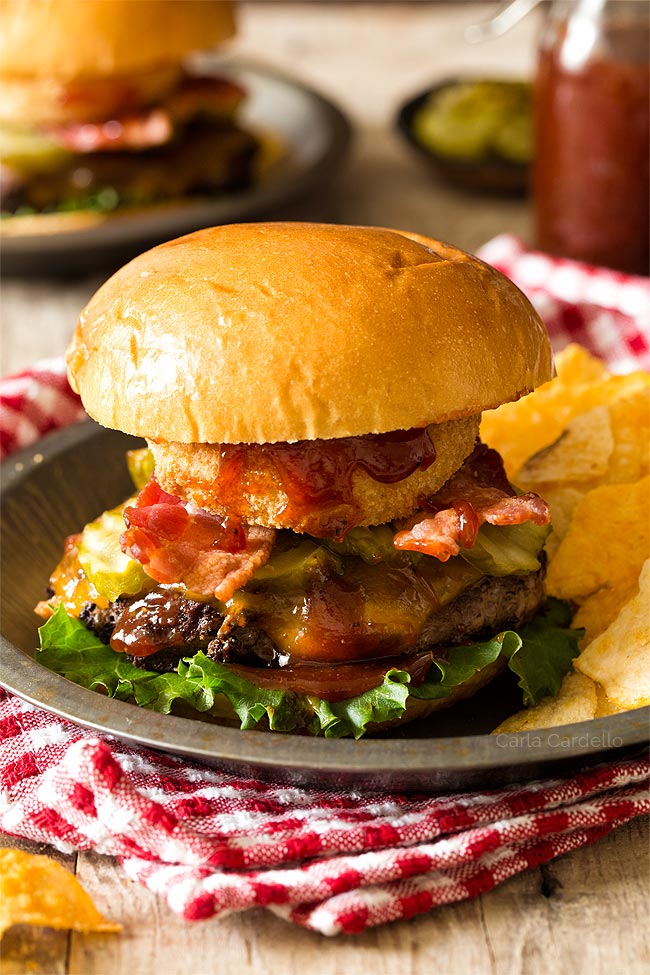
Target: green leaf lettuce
[540,654]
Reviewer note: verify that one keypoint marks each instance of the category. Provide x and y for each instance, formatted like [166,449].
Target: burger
[317,541]
[98,109]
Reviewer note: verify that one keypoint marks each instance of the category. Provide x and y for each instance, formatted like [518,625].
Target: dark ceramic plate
[313,135]
[490,175]
[54,488]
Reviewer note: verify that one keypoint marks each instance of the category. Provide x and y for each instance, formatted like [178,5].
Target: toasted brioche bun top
[90,38]
[259,333]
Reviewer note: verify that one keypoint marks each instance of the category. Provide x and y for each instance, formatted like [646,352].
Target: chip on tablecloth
[38,890]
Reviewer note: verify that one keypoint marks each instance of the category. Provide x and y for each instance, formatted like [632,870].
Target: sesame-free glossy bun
[90,38]
[259,333]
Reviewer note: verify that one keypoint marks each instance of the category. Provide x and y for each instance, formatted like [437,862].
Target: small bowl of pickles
[474,133]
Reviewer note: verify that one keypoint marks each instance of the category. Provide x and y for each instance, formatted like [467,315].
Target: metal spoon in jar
[507,16]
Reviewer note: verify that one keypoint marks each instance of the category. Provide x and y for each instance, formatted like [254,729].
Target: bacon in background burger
[97,109]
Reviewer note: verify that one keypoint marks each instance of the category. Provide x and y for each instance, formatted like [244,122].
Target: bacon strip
[144,130]
[479,492]
[176,542]
[152,126]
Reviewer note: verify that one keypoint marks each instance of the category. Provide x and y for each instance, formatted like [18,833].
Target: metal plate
[314,133]
[54,488]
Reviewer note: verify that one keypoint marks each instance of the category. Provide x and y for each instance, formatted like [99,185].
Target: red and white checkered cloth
[35,402]
[335,862]
[210,842]
[607,312]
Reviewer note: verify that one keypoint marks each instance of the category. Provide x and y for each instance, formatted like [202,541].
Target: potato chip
[37,890]
[581,453]
[563,500]
[630,424]
[599,610]
[607,543]
[576,701]
[604,706]
[582,441]
[576,365]
[619,659]
[518,430]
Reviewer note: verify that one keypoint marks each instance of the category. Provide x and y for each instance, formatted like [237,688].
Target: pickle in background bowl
[475,133]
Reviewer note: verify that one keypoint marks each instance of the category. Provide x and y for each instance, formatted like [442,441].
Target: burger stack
[98,109]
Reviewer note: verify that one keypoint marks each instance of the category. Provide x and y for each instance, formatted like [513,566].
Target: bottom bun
[416,708]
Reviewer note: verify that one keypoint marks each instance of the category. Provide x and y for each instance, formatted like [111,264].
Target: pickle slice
[30,152]
[112,573]
[140,464]
[473,121]
[371,544]
[504,550]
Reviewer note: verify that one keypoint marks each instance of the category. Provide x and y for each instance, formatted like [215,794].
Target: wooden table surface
[585,912]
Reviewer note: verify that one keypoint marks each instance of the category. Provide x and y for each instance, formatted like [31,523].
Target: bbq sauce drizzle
[318,475]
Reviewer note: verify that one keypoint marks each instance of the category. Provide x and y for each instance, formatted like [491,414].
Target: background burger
[319,540]
[97,109]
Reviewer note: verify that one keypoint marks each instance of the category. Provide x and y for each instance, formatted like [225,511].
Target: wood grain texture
[29,951]
[583,913]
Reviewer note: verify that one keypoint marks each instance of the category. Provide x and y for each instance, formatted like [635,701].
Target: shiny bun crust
[259,333]
[90,38]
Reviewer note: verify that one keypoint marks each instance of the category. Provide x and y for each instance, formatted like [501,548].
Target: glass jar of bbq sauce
[592,110]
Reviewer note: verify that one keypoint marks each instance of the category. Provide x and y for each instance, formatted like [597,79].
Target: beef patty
[172,626]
